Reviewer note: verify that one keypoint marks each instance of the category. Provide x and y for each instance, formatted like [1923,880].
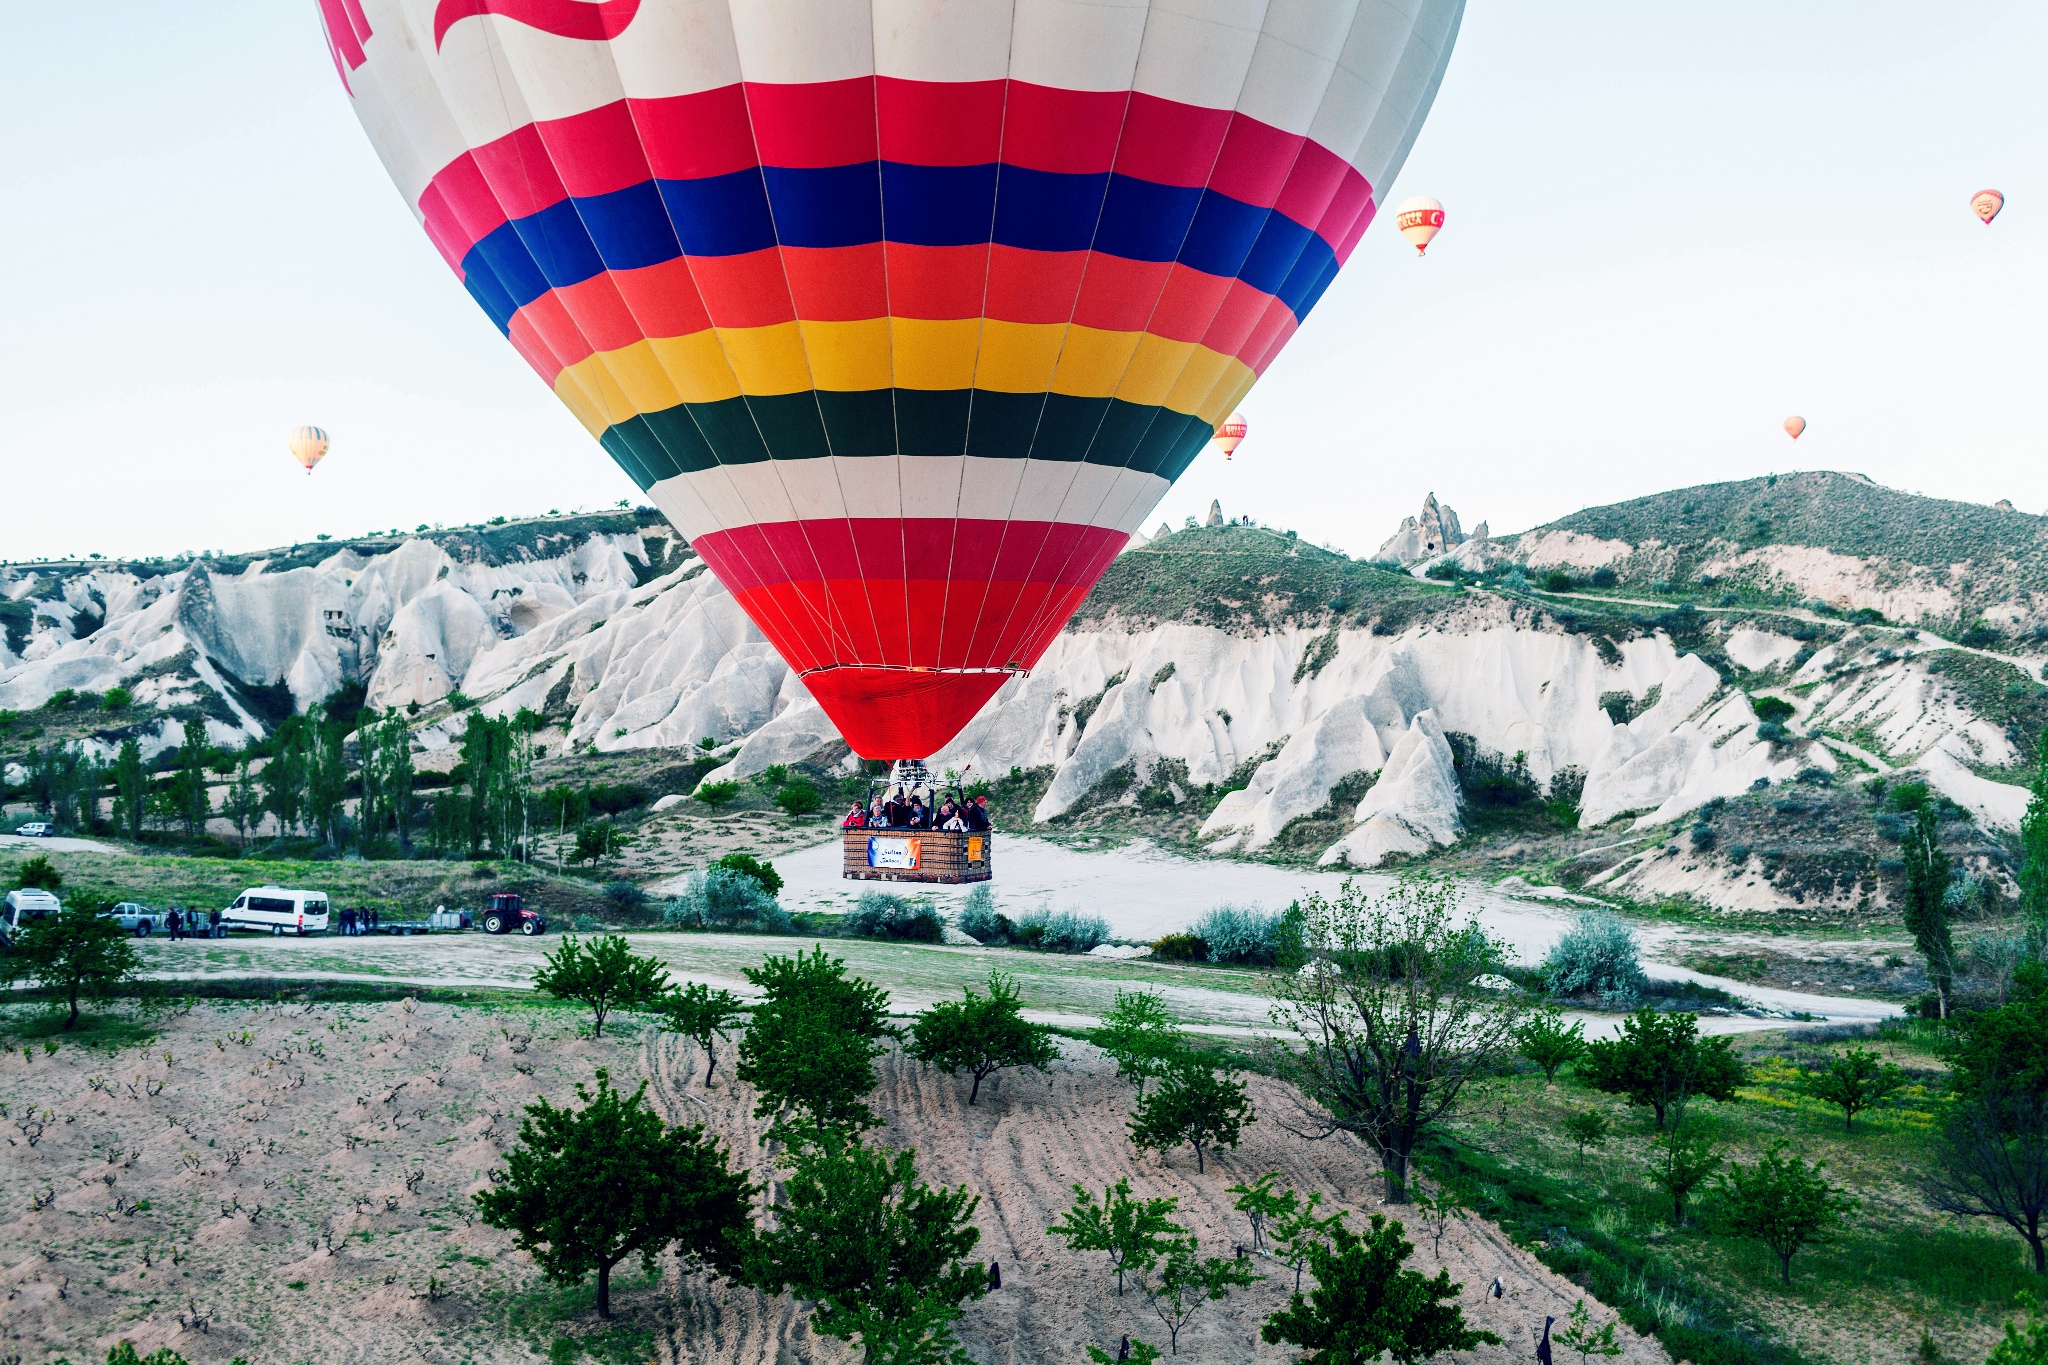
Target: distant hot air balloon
[904,314]
[1987,203]
[309,446]
[1231,432]
[1794,425]
[1419,218]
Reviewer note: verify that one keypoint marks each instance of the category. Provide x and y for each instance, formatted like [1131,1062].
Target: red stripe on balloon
[925,123]
[766,554]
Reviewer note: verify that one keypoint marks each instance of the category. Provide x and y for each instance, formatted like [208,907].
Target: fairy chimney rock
[1434,533]
[1216,512]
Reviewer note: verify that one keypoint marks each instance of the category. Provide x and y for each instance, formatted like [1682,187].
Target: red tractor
[505,913]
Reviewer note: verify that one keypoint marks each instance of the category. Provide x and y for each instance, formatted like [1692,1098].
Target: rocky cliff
[1240,690]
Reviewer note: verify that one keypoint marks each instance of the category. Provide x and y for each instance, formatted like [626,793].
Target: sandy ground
[292,1185]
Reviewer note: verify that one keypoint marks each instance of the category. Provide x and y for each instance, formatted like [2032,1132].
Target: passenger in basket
[952,818]
[976,814]
[920,817]
[895,814]
[857,818]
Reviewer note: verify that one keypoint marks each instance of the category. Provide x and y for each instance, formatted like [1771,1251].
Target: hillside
[1228,689]
[1834,538]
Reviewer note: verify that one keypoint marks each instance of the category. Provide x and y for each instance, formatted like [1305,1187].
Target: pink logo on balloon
[348,28]
[591,20]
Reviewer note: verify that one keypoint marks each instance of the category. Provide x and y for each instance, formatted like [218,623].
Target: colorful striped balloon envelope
[904,312]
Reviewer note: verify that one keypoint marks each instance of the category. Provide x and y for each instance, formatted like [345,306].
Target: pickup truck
[139,920]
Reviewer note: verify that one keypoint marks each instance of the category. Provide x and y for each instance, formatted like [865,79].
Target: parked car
[38,829]
[505,913]
[279,909]
[139,920]
[23,906]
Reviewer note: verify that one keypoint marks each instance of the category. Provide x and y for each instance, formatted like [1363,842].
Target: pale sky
[1670,226]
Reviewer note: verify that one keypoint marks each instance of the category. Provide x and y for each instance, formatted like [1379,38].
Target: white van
[278,909]
[23,906]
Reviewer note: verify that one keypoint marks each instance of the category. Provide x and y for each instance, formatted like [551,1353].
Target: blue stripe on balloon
[840,206]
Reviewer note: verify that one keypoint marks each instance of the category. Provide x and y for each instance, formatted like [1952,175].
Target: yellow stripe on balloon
[768,360]
[911,353]
[848,357]
[1018,357]
[934,353]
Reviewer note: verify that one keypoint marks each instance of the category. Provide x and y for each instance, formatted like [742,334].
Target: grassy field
[1896,1269]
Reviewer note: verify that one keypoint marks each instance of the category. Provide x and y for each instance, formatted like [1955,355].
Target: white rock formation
[1412,808]
[1429,536]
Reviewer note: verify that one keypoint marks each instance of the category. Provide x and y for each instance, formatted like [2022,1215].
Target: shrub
[1442,572]
[1909,796]
[747,865]
[1180,948]
[717,793]
[616,800]
[1603,578]
[1557,580]
[1772,733]
[624,894]
[1597,956]
[1703,836]
[39,874]
[878,914]
[979,918]
[798,797]
[720,898]
[116,699]
[1738,854]
[1772,708]
[1815,777]
[1238,934]
[1062,931]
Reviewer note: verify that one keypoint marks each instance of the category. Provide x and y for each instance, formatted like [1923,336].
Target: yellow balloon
[308,446]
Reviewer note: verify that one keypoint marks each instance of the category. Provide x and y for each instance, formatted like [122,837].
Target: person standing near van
[175,922]
[213,928]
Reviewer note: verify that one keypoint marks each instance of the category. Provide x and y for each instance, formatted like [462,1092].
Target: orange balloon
[309,446]
[1986,204]
[1794,425]
[1231,432]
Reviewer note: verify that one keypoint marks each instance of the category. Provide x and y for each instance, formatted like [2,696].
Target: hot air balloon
[1230,433]
[1986,204]
[1419,219]
[309,446]
[904,314]
[1794,425]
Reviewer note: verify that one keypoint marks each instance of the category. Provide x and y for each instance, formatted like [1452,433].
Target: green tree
[762,871]
[188,789]
[1139,1035]
[1660,1061]
[588,1187]
[244,803]
[1680,1162]
[124,1353]
[1263,1201]
[1366,1304]
[1783,1203]
[799,798]
[1135,1352]
[1587,1128]
[1184,1280]
[1580,1335]
[697,1011]
[284,776]
[1196,1103]
[604,974]
[1857,1080]
[1925,908]
[39,873]
[1134,1232]
[131,790]
[74,954]
[1546,1041]
[2033,870]
[1389,1020]
[880,1255]
[811,1045]
[981,1035]
[386,774]
[2023,1345]
[1991,1158]
[1438,1210]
